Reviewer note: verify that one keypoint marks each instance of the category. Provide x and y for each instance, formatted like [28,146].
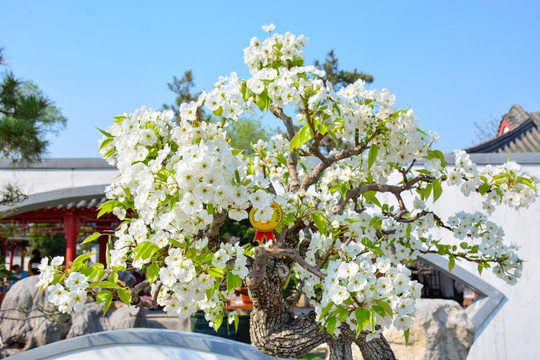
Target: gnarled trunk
[276,331]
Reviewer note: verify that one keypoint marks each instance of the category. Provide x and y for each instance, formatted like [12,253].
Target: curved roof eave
[53,198]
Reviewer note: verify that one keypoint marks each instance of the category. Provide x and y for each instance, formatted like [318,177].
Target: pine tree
[26,117]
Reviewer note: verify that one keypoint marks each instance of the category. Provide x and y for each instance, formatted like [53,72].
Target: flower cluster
[508,183]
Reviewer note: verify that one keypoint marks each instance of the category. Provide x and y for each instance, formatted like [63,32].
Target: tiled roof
[91,204]
[523,136]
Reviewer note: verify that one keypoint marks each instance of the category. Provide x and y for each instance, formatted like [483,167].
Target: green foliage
[339,77]
[26,117]
[244,130]
[183,88]
[49,245]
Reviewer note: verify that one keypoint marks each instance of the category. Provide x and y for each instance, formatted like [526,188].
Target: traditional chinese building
[518,132]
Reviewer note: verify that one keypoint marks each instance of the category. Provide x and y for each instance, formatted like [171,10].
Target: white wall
[512,333]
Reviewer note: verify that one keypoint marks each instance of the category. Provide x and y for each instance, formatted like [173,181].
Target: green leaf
[303,136]
[218,321]
[104,143]
[262,100]
[210,209]
[236,323]
[362,319]
[326,309]
[331,325]
[372,155]
[175,243]
[385,306]
[484,188]
[427,191]
[372,320]
[57,278]
[114,277]
[104,284]
[106,133]
[371,196]
[320,221]
[437,189]
[379,310]
[145,250]
[343,190]
[152,272]
[376,250]
[233,281]
[527,182]
[125,296]
[100,274]
[464,245]
[334,188]
[80,259]
[406,334]
[104,296]
[451,263]
[282,160]
[108,250]
[216,272]
[343,315]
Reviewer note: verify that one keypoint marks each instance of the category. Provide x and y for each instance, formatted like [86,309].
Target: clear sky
[453,62]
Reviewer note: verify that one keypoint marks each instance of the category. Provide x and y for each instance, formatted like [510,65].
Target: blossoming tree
[344,222]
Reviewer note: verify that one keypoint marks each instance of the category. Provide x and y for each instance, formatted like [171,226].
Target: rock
[28,320]
[441,330]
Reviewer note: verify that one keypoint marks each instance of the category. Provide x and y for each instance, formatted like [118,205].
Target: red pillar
[11,259]
[103,249]
[71,231]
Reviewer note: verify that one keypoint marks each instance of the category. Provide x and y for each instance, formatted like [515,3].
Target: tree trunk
[340,348]
[276,331]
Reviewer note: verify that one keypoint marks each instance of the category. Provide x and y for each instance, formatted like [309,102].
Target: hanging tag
[266,230]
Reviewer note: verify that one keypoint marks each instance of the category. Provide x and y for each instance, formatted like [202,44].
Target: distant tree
[48,244]
[26,117]
[183,88]
[339,77]
[486,129]
[242,131]
[245,131]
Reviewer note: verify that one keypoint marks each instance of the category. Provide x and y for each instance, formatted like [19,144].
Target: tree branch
[292,159]
[314,176]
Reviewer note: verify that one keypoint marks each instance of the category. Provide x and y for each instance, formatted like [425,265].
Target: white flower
[268,28]
[347,270]
[76,282]
[384,286]
[220,259]
[338,293]
[76,300]
[401,283]
[260,199]
[58,295]
[403,322]
[57,260]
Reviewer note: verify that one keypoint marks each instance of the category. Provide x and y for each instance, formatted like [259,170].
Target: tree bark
[276,331]
[340,348]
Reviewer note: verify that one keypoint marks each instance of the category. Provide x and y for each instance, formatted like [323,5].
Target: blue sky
[453,62]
